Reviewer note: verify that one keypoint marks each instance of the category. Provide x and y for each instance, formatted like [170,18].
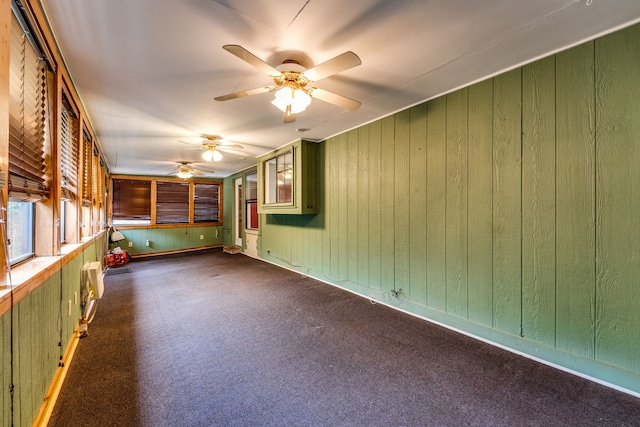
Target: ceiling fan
[292,82]
[185,170]
[214,148]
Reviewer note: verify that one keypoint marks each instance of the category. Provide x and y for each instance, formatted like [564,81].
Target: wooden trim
[177,251]
[49,402]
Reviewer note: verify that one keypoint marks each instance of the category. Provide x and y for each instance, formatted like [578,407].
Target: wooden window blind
[131,199]
[206,203]
[172,202]
[27,118]
[69,150]
[87,168]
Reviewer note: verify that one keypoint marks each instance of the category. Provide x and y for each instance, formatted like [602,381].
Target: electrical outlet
[147,243]
[202,237]
[69,308]
[130,244]
[216,233]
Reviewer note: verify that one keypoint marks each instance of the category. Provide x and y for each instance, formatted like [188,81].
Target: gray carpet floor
[212,339]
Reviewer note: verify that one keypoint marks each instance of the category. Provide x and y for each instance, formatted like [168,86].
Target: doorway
[238,217]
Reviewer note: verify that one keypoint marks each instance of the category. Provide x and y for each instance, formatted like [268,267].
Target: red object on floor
[117,259]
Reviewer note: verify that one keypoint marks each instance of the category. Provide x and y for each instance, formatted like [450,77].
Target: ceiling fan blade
[334,98]
[255,91]
[249,57]
[333,66]
[234,151]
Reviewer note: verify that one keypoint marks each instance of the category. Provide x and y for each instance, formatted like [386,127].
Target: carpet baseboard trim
[44,414]
[461,331]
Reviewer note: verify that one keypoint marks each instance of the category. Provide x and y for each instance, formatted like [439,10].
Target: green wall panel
[480,203]
[538,201]
[507,209]
[618,199]
[42,327]
[575,201]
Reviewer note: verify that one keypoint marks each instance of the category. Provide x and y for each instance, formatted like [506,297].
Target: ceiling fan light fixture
[184,174]
[298,99]
[212,155]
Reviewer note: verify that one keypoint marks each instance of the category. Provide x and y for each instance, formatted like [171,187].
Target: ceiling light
[298,99]
[212,155]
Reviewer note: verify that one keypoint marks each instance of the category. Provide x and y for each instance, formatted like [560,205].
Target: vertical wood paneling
[436,216]
[326,191]
[512,203]
[539,198]
[344,163]
[387,162]
[352,206]
[401,201]
[456,203]
[480,197]
[575,201]
[5,372]
[507,215]
[334,173]
[375,200]
[618,199]
[417,291]
[363,205]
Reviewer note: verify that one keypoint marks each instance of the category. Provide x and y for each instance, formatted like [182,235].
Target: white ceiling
[147,70]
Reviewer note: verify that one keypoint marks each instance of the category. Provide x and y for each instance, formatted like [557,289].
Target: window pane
[131,201]
[206,203]
[20,224]
[172,204]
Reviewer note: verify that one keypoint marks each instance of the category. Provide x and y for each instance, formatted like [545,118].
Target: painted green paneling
[507,209]
[436,213]
[363,177]
[42,327]
[169,239]
[417,286]
[507,203]
[401,198]
[480,203]
[352,171]
[376,237]
[538,200]
[618,199]
[387,162]
[456,185]
[575,201]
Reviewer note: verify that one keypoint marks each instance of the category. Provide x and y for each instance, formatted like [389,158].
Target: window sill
[29,275]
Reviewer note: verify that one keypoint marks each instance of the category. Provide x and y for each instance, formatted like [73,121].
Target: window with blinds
[28,117]
[131,201]
[206,203]
[69,150]
[172,202]
[87,169]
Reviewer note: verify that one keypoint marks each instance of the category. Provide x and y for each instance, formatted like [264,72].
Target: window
[69,150]
[28,136]
[131,202]
[20,220]
[206,203]
[278,175]
[251,200]
[172,202]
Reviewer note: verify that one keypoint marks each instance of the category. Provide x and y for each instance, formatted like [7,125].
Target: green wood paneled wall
[169,239]
[41,329]
[508,209]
